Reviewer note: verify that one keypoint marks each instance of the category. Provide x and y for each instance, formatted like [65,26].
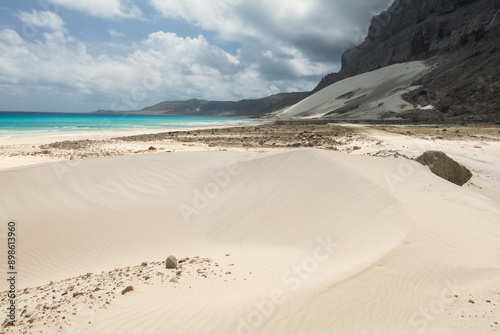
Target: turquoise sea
[17,124]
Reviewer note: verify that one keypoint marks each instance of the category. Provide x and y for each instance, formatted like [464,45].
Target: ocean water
[14,124]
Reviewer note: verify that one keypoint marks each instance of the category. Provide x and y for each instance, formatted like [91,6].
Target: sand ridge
[320,240]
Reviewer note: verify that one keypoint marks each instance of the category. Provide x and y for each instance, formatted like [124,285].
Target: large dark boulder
[445,167]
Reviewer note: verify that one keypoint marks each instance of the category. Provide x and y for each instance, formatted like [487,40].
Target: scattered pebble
[127,289]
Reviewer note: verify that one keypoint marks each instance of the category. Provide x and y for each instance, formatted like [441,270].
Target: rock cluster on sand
[59,307]
[445,167]
[318,134]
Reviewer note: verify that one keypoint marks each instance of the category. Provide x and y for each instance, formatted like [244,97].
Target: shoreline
[102,134]
[265,135]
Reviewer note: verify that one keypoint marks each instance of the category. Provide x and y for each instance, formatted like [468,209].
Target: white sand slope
[319,242]
[365,96]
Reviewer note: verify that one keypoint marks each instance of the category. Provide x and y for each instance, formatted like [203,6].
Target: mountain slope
[372,95]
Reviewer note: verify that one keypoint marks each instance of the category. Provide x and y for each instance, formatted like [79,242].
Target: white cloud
[313,33]
[164,66]
[10,37]
[284,45]
[109,9]
[114,33]
[42,19]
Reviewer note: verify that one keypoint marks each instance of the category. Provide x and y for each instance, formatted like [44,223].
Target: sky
[81,56]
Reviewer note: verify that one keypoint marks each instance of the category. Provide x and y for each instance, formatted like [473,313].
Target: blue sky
[80,56]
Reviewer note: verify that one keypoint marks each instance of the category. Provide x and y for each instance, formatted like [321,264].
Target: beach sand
[335,231]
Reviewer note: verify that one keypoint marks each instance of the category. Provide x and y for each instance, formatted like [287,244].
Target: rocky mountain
[248,108]
[459,38]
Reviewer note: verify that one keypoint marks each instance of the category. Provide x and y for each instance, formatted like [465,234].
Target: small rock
[144,264]
[174,280]
[152,148]
[6,323]
[471,301]
[127,289]
[171,262]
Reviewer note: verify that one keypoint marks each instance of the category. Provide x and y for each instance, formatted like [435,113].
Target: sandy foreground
[280,229]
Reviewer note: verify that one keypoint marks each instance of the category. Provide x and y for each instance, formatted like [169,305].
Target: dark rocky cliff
[460,38]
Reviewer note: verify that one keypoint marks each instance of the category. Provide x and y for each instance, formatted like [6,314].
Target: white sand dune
[319,242]
[365,96]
